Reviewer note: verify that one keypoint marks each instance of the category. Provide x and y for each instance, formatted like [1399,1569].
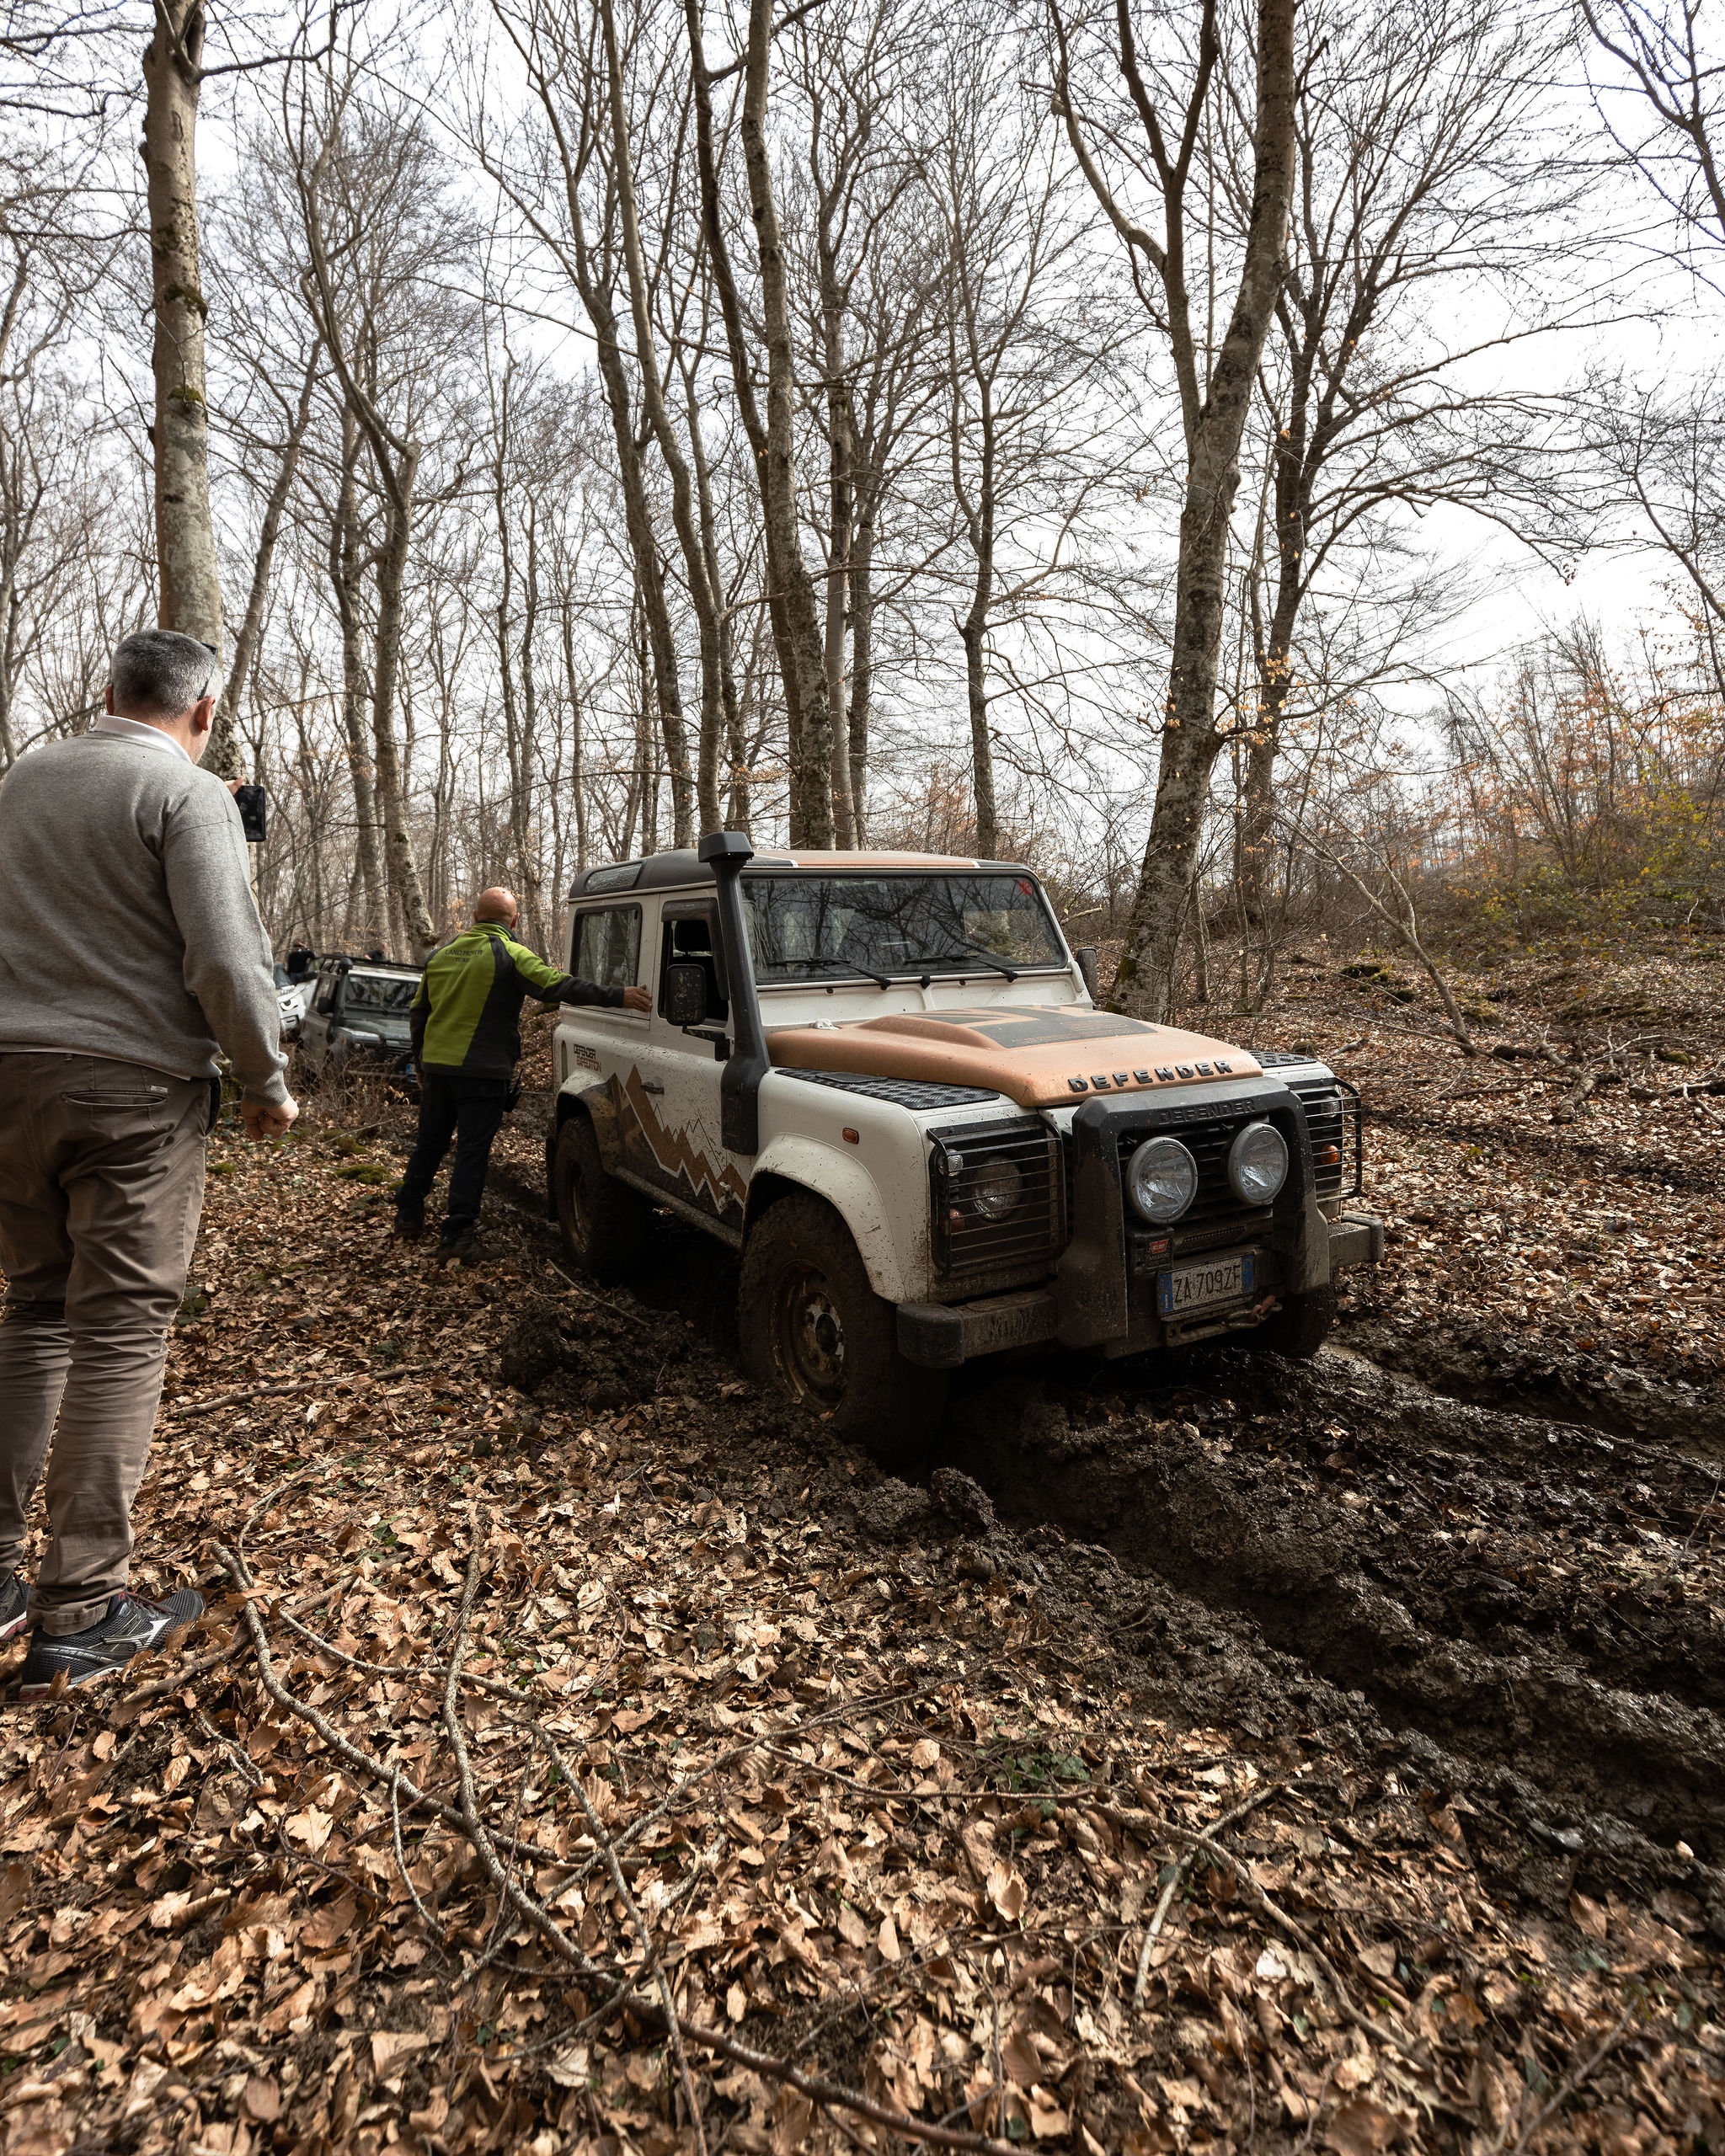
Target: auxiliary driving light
[1257,1164]
[1162,1178]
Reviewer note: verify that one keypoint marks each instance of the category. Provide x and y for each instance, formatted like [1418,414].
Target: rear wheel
[1301,1326]
[811,1326]
[604,1223]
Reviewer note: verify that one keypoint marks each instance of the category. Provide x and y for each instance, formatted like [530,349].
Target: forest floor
[1228,1753]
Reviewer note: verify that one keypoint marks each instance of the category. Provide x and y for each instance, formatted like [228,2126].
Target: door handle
[651,1085]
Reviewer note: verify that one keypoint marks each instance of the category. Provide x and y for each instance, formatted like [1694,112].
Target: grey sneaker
[14,1600]
[132,1626]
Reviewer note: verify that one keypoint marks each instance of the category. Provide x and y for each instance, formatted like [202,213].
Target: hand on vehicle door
[637,999]
[267,1119]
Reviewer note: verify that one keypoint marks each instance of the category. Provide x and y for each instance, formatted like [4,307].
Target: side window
[608,947]
[326,992]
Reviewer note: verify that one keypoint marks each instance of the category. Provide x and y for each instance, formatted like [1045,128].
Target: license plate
[1199,1287]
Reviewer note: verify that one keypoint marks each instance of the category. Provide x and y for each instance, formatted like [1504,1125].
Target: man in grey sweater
[131,949]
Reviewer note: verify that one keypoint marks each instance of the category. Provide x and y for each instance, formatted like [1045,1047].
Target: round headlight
[1257,1164]
[1162,1178]
[997,1190]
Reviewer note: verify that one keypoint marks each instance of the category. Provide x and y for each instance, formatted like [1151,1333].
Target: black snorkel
[746,1065]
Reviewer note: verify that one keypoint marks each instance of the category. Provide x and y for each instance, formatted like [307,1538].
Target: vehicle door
[679,1112]
[607,947]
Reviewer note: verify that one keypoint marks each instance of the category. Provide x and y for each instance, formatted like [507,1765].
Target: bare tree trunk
[812,771]
[190,585]
[221,751]
[791,607]
[345,575]
[743,388]
[735,814]
[637,515]
[517,738]
[532,888]
[643,751]
[1213,411]
[862,664]
[399,843]
[700,596]
[578,775]
[988,837]
[398,464]
[591,269]
[841,497]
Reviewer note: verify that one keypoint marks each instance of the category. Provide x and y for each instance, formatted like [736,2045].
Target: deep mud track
[1527,1612]
[1505,1579]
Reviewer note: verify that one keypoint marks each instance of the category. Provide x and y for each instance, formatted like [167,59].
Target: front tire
[604,1223]
[1301,1326]
[811,1326]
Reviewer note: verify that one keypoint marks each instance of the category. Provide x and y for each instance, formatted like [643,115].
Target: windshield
[801,926]
[381,994]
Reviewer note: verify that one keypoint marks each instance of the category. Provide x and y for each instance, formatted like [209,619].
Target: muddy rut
[1527,1609]
[1524,1609]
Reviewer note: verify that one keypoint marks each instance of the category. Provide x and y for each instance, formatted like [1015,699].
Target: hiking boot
[14,1600]
[464,1249]
[409,1227]
[132,1626]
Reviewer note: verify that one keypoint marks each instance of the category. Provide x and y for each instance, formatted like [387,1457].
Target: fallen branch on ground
[647,2012]
[1571,2083]
[1182,1871]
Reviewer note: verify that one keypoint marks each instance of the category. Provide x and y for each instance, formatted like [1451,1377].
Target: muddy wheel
[811,1326]
[604,1223]
[1301,1326]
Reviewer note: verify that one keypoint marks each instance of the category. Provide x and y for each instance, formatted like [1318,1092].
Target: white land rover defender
[881,1078]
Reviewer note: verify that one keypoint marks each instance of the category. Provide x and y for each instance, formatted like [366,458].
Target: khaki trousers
[101,1186]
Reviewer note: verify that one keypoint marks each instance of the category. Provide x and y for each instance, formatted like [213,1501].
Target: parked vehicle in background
[290,998]
[358,1016]
[881,1080]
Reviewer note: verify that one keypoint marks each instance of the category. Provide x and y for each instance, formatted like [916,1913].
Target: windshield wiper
[975,951]
[850,966]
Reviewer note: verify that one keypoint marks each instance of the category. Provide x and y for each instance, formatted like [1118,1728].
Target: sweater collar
[136,729]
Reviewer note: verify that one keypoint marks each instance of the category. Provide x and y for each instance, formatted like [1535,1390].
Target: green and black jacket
[467,1017]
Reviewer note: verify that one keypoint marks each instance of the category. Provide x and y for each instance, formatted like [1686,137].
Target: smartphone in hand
[254,805]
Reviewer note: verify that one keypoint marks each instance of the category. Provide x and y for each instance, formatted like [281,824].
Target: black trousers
[469,1111]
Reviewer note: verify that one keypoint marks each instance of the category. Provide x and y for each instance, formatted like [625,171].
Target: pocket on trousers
[136,1100]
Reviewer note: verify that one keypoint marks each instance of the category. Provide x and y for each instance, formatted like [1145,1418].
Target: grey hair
[158,673]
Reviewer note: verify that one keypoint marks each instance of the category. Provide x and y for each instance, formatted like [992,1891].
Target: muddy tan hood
[1039,1058]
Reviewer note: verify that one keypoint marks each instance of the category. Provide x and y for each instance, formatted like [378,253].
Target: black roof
[659,872]
[336,962]
[680,866]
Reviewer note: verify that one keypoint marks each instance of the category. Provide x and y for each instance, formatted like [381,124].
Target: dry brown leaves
[881,1822]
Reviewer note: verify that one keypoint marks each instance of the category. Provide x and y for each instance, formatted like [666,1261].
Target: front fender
[601,1105]
[847,1186]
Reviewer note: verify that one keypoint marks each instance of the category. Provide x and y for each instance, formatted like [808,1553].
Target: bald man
[466,1023]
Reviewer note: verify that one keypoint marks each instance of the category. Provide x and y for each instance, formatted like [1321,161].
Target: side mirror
[1086,956]
[685,994]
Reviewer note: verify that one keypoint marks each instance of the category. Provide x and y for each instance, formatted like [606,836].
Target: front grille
[1208,1143]
[966,1165]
